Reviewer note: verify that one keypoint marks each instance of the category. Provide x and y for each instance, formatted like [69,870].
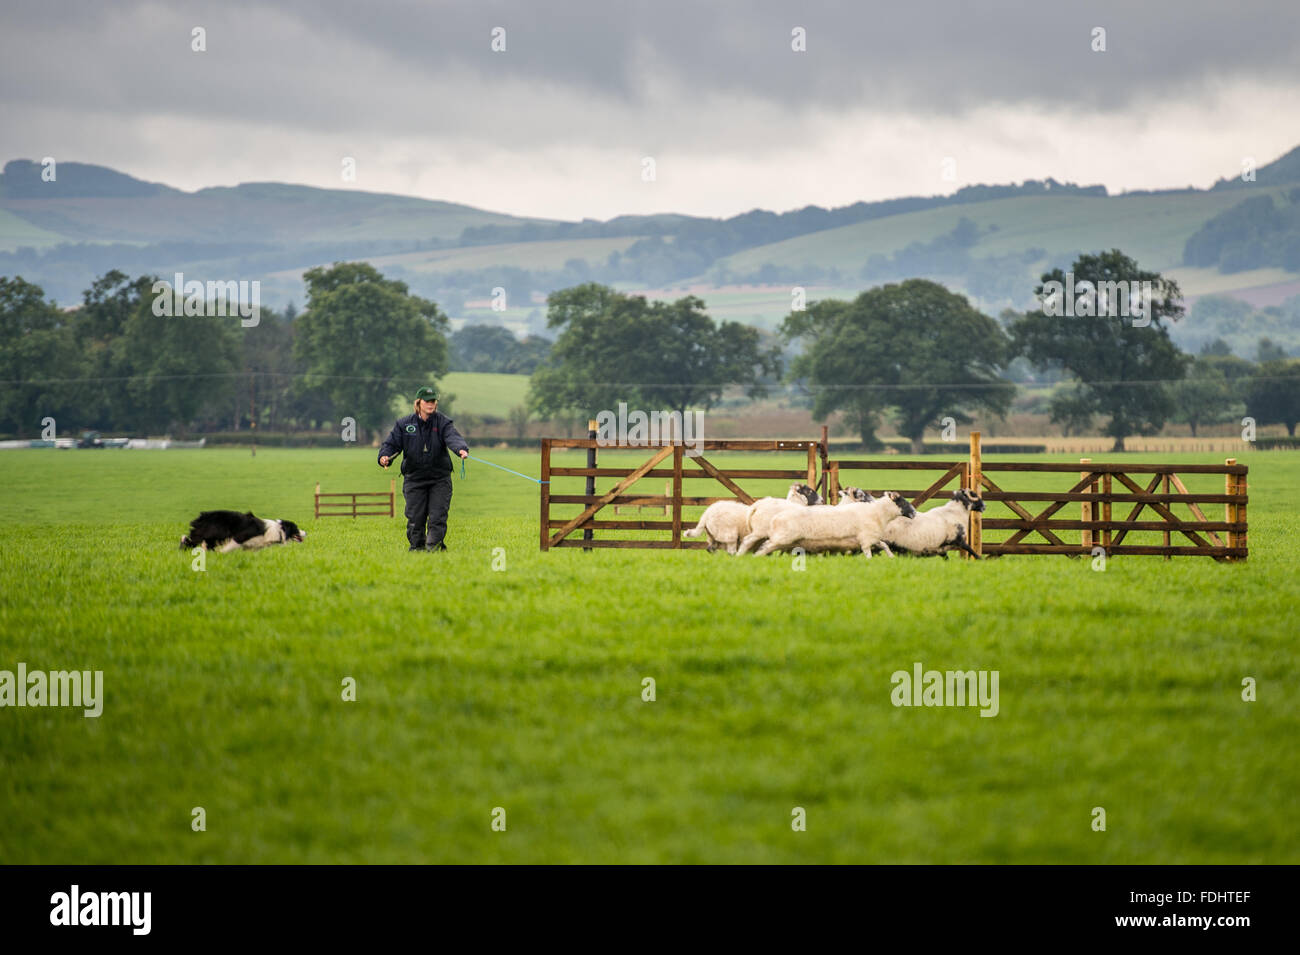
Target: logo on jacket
[410,429]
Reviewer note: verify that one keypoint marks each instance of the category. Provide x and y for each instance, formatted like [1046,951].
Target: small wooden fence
[385,506]
[556,531]
[1095,487]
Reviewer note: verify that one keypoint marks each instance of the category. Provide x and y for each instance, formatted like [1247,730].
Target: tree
[519,417]
[1071,409]
[492,348]
[1205,396]
[1120,368]
[361,337]
[482,348]
[1273,395]
[177,368]
[106,307]
[39,356]
[914,348]
[615,348]
[1269,350]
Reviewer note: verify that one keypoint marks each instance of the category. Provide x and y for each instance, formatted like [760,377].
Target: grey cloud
[311,61]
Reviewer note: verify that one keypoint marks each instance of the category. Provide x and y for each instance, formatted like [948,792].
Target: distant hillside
[1280,171]
[22,179]
[989,241]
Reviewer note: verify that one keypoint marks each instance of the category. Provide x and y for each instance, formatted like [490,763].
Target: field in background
[483,393]
[521,687]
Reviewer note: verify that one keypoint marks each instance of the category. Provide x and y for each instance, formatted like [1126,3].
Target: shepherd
[424,437]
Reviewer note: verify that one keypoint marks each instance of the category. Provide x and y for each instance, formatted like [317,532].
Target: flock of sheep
[858,522]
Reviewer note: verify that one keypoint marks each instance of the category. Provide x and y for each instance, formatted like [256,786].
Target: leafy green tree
[365,339]
[1273,395]
[613,347]
[106,307]
[1071,409]
[1269,350]
[1119,368]
[39,350]
[177,368]
[1205,396]
[913,348]
[492,348]
[519,417]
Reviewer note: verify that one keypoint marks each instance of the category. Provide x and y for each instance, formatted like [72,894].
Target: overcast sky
[559,122]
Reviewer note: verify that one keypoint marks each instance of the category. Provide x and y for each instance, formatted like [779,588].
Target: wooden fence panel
[1095,486]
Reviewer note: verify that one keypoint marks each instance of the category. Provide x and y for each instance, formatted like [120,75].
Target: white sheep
[762,511]
[847,526]
[724,522]
[937,530]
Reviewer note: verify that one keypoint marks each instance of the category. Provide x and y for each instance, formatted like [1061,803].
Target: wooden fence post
[833,483]
[588,534]
[1165,488]
[1085,510]
[975,472]
[1243,540]
[1232,485]
[824,450]
[677,494]
[812,465]
[317,517]
[1105,511]
[546,492]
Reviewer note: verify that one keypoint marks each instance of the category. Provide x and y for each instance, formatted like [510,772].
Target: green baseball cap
[426,394]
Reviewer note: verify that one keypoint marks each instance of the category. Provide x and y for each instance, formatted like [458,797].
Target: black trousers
[427,501]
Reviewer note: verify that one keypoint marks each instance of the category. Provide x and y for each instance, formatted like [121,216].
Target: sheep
[847,526]
[855,494]
[937,530]
[724,522]
[764,509]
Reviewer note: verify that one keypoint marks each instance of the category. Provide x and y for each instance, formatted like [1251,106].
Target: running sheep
[937,530]
[761,512]
[726,522]
[850,525]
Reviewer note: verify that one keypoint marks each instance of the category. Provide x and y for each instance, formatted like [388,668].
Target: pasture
[521,687]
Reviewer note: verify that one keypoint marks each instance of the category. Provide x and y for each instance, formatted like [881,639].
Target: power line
[790,388]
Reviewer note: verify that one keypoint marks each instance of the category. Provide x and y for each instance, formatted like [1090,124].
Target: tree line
[910,353]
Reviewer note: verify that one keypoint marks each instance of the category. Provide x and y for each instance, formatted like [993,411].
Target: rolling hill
[990,241]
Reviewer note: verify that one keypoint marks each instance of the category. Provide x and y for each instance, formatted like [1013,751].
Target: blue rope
[499,468]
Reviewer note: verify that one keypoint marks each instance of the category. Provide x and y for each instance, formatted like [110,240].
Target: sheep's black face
[904,505]
[968,499]
[809,494]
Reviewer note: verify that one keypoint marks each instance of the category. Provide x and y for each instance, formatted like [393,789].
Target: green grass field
[485,393]
[521,687]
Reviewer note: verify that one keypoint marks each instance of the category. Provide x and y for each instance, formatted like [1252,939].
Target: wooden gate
[1096,488]
[556,531]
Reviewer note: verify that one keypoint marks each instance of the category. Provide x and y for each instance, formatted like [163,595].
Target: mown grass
[521,688]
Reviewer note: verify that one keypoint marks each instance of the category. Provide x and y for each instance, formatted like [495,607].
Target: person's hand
[383,461]
[463,454]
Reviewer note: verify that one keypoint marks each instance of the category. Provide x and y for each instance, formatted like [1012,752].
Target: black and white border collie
[225,531]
